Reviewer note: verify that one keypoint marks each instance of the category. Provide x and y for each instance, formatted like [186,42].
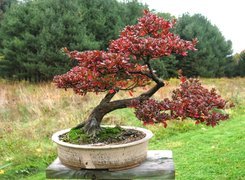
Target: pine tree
[33,33]
[211,58]
[241,64]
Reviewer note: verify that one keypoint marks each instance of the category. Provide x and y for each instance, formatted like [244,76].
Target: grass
[29,114]
[206,152]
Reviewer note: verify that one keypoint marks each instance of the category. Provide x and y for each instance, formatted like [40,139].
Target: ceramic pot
[97,156]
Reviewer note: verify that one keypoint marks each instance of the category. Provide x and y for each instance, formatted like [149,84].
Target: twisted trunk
[92,125]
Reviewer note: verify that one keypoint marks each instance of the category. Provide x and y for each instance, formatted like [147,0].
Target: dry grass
[44,105]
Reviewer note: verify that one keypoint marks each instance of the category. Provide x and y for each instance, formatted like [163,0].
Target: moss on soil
[107,135]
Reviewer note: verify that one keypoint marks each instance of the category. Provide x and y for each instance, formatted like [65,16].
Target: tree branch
[131,87]
[142,73]
[153,75]
[152,91]
[108,97]
[119,104]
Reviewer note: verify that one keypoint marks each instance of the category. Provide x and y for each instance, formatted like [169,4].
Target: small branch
[142,73]
[149,74]
[152,91]
[153,75]
[108,97]
[131,87]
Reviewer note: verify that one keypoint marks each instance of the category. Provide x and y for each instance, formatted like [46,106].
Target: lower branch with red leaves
[190,100]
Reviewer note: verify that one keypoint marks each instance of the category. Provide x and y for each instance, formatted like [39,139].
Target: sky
[227,15]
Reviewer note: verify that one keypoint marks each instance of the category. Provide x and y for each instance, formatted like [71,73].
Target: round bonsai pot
[97,156]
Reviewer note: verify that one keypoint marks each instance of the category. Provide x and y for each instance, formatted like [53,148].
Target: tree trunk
[92,125]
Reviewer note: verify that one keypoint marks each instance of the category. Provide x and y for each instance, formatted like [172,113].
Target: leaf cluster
[190,100]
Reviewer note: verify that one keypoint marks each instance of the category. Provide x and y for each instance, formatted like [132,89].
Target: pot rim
[55,138]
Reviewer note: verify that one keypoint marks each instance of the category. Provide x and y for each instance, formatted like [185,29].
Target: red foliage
[121,66]
[99,71]
[152,111]
[190,100]
[150,37]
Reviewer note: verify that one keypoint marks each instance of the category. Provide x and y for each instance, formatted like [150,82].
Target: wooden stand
[158,165]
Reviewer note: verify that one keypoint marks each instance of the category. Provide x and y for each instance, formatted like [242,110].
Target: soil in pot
[107,135]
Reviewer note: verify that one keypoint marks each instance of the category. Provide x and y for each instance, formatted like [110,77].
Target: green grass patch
[206,152]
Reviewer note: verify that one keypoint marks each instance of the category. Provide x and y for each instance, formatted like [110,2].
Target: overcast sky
[227,15]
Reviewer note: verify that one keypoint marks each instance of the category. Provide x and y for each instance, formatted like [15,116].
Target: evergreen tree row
[32,33]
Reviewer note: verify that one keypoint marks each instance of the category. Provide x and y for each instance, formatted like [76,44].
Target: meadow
[31,113]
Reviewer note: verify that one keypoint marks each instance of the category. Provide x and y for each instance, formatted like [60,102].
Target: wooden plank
[159,164]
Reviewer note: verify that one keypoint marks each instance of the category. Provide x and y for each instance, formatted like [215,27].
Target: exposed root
[92,132]
[90,127]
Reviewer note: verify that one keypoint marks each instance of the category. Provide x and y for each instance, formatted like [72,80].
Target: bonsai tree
[126,65]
